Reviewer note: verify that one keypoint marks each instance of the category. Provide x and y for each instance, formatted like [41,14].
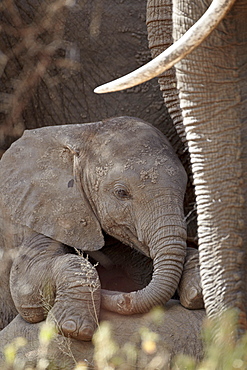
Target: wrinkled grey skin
[61,187]
[63,94]
[92,32]
[213,90]
[124,329]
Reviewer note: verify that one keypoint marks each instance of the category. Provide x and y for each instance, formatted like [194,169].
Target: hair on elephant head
[74,184]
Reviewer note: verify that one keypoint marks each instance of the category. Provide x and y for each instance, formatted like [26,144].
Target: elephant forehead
[126,145]
[135,152]
[138,171]
[139,160]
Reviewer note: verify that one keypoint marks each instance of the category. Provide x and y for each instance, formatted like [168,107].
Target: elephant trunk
[167,246]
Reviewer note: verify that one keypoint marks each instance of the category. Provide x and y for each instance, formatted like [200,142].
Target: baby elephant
[65,190]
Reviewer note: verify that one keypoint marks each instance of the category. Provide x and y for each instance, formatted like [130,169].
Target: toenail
[69,326]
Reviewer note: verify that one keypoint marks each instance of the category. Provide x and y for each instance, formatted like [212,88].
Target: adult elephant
[213,97]
[54,53]
[52,60]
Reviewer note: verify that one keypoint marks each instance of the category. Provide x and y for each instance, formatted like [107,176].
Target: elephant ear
[39,189]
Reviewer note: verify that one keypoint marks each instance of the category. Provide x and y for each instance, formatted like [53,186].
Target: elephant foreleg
[189,288]
[47,281]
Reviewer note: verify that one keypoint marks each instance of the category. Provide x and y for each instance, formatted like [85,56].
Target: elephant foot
[74,319]
[64,288]
[76,308]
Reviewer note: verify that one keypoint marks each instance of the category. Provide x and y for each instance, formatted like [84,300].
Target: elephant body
[218,131]
[125,331]
[71,196]
[48,76]
[210,58]
[87,34]
[211,82]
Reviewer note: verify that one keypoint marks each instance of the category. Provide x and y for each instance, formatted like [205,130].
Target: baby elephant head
[119,175]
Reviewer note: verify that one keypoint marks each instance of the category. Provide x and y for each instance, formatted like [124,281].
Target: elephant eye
[122,193]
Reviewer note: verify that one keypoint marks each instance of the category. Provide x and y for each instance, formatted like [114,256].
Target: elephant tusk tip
[101,89]
[119,84]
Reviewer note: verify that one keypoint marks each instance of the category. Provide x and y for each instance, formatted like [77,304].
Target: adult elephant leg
[47,281]
[212,83]
[159,26]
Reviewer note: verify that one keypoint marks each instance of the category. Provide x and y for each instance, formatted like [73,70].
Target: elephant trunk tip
[117,301]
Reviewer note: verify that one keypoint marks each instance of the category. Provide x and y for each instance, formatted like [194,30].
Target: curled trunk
[167,248]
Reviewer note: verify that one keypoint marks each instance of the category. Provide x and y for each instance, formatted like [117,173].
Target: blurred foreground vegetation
[221,351]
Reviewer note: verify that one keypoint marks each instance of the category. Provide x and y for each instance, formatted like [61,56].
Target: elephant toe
[85,331]
[69,327]
[192,298]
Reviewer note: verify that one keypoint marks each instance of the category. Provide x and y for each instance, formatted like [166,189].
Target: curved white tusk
[188,42]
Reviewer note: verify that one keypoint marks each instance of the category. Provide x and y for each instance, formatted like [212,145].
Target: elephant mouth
[120,267]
